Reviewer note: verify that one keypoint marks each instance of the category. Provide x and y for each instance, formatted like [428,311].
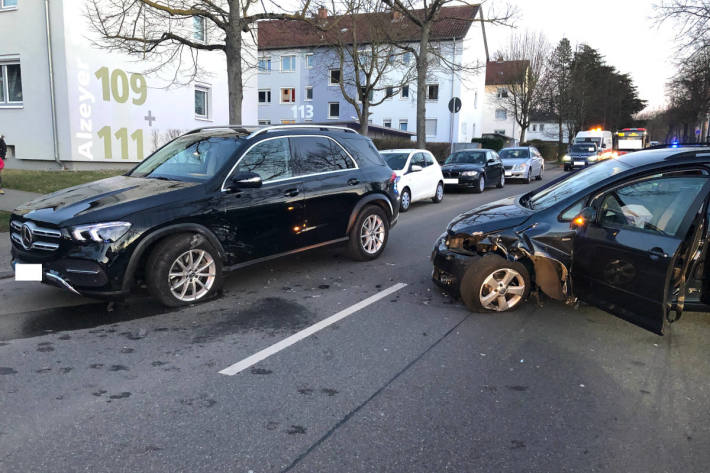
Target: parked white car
[419,175]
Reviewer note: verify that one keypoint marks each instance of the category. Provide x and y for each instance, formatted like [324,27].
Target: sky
[623,31]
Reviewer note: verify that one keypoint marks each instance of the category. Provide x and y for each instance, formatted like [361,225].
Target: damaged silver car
[628,235]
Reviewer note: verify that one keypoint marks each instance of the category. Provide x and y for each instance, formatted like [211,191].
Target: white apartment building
[65,101]
[298,82]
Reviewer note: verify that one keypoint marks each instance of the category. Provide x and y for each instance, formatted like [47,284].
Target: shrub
[548,149]
[439,150]
[496,144]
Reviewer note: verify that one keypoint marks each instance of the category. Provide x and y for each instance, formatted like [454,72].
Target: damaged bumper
[449,266]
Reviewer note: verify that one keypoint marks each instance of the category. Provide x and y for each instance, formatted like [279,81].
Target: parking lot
[403,378]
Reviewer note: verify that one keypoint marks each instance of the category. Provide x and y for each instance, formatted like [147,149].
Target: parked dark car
[212,199]
[473,169]
[628,235]
[580,155]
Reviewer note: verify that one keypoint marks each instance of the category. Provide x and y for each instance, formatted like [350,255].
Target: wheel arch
[380,200]
[146,245]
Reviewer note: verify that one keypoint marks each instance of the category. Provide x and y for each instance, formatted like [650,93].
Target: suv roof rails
[237,128]
[286,127]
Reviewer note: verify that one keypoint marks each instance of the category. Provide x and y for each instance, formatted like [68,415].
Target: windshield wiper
[163,178]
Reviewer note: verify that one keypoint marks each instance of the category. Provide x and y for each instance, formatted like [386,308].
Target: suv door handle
[657,253]
[291,192]
[353,182]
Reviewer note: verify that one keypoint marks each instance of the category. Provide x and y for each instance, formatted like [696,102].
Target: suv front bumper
[76,275]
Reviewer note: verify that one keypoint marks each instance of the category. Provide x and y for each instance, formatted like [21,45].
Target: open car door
[633,249]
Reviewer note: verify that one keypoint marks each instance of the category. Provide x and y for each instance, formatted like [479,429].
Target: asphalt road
[409,383]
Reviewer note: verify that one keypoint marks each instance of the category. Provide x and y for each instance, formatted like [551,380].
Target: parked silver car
[523,162]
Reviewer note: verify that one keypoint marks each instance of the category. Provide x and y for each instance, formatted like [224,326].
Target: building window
[264,122]
[333,110]
[406,57]
[389,92]
[199,33]
[502,93]
[534,127]
[404,92]
[334,77]
[432,92]
[288,95]
[288,63]
[265,96]
[264,64]
[202,102]
[430,124]
[309,94]
[10,84]
[387,123]
[541,127]
[8,4]
[403,125]
[501,114]
[370,95]
[309,61]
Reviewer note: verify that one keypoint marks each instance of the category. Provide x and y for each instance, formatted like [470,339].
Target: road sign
[454,105]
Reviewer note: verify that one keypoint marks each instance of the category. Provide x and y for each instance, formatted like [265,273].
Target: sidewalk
[5,268]
[13,199]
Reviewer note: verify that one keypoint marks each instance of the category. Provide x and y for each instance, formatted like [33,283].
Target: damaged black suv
[212,199]
[628,235]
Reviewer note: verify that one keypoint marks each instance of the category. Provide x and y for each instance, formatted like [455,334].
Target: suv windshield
[396,161]
[575,183]
[514,154]
[467,157]
[583,149]
[189,158]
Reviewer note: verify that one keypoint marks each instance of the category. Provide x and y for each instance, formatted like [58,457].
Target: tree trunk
[522,134]
[422,67]
[364,117]
[561,138]
[233,50]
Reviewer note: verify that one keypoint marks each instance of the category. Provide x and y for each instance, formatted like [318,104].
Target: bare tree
[425,15]
[369,67]
[527,54]
[166,31]
[693,18]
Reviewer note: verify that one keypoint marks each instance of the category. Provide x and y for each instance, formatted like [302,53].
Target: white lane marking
[297,337]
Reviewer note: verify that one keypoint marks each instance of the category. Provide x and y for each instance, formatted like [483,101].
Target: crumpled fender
[551,265]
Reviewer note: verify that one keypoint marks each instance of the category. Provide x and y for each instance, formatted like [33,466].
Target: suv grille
[29,236]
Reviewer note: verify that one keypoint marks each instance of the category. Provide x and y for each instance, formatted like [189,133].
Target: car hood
[106,199]
[581,155]
[498,215]
[462,167]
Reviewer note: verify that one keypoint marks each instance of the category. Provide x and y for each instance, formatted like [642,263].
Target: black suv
[212,199]
[628,235]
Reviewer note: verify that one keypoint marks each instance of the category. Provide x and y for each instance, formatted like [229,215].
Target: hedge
[548,149]
[439,150]
[496,144]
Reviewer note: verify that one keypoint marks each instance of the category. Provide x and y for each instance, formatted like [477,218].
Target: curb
[6,274]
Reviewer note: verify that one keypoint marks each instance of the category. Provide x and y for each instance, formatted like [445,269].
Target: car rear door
[332,185]
[626,260]
[433,175]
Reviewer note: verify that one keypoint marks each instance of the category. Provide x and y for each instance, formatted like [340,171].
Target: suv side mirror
[244,180]
[415,168]
[586,216]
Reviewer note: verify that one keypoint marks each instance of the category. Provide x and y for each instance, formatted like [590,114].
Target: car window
[514,153]
[396,161]
[575,183]
[655,205]
[428,159]
[270,159]
[418,160]
[573,211]
[317,154]
[467,157]
[189,158]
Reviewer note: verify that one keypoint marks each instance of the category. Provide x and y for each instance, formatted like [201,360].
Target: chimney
[396,15]
[322,12]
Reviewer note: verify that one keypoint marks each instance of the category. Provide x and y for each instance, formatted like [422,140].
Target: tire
[405,201]
[527,179]
[475,284]
[172,255]
[439,194]
[539,176]
[358,242]
[481,185]
[567,168]
[501,181]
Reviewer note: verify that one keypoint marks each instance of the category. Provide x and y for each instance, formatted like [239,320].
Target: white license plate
[508,173]
[579,163]
[28,272]
[451,181]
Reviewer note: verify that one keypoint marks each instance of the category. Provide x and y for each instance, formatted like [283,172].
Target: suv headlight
[470,173]
[566,157]
[100,232]
[591,159]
